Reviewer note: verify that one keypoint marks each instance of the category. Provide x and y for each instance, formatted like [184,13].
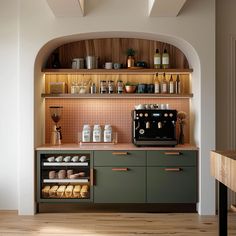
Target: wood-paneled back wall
[114,50]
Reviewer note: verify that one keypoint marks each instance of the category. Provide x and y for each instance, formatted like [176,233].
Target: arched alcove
[185,47]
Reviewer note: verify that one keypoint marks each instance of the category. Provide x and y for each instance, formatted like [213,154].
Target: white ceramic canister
[97,133]
[107,135]
[86,133]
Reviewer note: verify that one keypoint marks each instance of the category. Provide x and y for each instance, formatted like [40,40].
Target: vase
[181,134]
[130,61]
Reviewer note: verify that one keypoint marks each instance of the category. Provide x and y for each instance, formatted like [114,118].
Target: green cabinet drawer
[171,185]
[119,158]
[171,158]
[120,185]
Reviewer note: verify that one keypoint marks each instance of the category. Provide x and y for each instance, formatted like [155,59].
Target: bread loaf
[69,191]
[76,191]
[84,192]
[45,191]
[53,190]
[60,191]
[61,174]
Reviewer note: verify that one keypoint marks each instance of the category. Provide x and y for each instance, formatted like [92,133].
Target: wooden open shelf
[118,71]
[123,95]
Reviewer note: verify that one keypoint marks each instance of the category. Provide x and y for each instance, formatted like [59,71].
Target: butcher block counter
[120,146]
[223,169]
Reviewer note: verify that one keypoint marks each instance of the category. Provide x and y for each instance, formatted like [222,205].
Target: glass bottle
[157,84]
[107,134]
[103,86]
[171,85]
[178,85]
[55,60]
[164,84]
[97,133]
[157,59]
[110,86]
[165,60]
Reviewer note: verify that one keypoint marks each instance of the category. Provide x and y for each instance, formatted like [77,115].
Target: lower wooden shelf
[115,95]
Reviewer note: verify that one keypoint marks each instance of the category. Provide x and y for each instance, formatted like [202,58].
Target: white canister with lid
[97,133]
[86,133]
[107,134]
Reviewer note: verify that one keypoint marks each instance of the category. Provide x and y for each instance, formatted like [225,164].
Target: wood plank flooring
[114,224]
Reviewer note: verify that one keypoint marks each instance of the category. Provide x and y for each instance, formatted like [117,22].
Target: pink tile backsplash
[117,112]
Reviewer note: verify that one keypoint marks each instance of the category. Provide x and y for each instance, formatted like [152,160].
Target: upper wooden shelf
[118,71]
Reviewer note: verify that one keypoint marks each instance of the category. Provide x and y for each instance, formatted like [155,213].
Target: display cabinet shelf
[65,164]
[85,180]
[123,95]
[117,71]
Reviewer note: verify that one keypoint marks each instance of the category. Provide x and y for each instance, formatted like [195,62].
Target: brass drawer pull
[172,153]
[119,169]
[173,169]
[120,153]
[92,182]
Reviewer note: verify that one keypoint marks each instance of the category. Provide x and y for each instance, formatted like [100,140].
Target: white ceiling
[75,8]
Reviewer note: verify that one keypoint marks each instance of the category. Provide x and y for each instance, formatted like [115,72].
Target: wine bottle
[171,85]
[164,84]
[156,84]
[157,59]
[178,85]
[165,60]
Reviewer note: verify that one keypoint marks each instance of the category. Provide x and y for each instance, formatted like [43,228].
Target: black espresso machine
[154,127]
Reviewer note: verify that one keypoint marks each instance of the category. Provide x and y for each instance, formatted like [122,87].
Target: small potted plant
[130,57]
[130,87]
[181,117]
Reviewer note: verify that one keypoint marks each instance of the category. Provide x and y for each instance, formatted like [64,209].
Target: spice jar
[110,86]
[120,86]
[103,86]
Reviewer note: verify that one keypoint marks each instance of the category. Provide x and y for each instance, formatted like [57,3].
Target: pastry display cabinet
[64,176]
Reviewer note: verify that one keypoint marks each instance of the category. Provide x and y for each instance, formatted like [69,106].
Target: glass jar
[97,133]
[75,89]
[110,86]
[103,86]
[120,86]
[86,133]
[107,134]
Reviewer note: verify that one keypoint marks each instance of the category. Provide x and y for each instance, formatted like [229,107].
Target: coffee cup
[117,65]
[108,65]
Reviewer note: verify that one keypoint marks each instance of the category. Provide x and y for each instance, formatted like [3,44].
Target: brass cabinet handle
[119,169]
[172,153]
[173,169]
[120,153]
[92,179]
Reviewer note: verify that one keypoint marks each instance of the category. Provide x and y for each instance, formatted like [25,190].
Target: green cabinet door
[120,185]
[171,185]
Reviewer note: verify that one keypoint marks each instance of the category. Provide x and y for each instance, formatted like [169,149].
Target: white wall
[195,25]
[8,104]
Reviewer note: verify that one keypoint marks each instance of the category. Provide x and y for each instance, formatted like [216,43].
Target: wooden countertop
[223,167]
[120,146]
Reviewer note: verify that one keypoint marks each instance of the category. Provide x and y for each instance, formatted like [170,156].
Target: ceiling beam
[67,8]
[165,8]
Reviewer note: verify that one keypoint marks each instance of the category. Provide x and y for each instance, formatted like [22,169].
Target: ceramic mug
[108,65]
[117,66]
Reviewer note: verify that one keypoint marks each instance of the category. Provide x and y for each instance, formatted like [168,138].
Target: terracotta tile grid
[117,112]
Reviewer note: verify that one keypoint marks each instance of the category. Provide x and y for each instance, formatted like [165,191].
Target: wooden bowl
[130,88]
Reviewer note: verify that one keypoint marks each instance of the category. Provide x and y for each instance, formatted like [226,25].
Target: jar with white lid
[86,133]
[97,133]
[107,135]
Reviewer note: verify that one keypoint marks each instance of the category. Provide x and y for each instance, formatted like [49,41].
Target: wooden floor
[177,224]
